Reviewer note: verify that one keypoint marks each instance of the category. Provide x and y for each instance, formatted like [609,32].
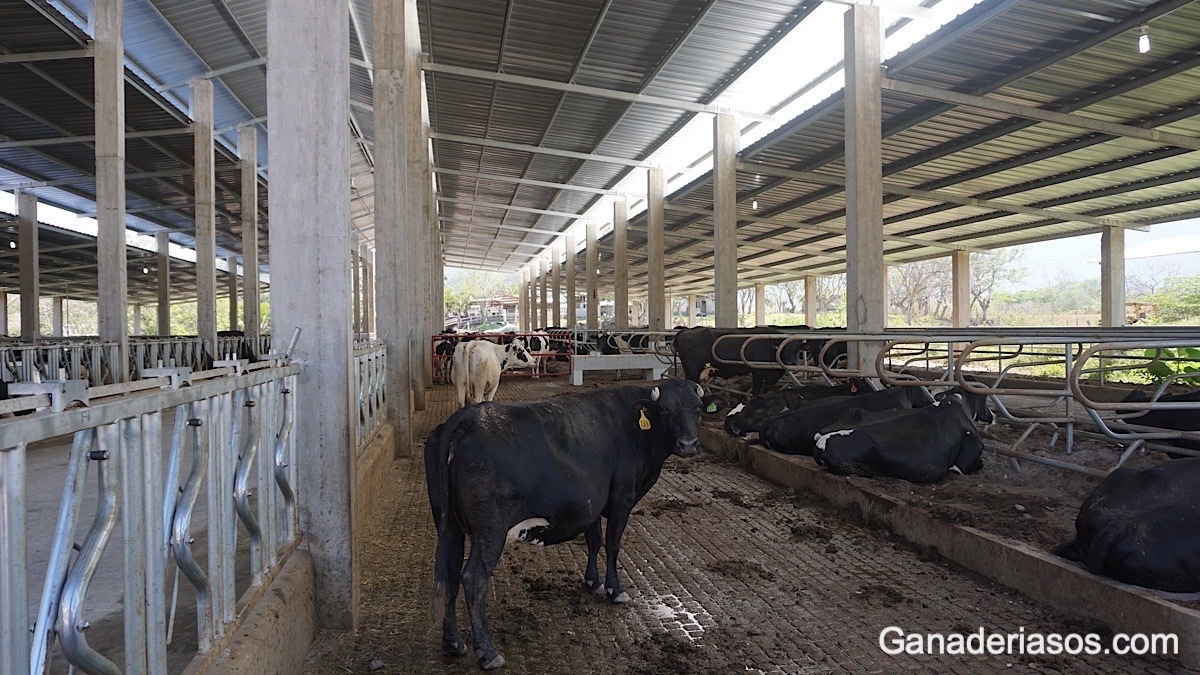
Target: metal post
[14,594]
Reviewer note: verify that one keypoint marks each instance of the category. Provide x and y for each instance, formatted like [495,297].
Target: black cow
[792,432]
[750,417]
[697,347]
[919,445]
[1184,419]
[1139,526]
[544,472]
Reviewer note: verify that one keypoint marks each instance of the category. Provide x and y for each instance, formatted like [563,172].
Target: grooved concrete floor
[728,573]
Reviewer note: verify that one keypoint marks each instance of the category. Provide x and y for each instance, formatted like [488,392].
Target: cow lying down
[545,472]
[748,419]
[920,445]
[793,432]
[1139,526]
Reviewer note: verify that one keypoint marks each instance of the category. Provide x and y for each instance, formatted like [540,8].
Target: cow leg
[612,546]
[485,555]
[591,578]
[448,567]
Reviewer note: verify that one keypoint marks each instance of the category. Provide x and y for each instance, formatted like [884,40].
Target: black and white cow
[1139,526]
[792,433]
[920,445]
[545,472]
[747,419]
[698,347]
[537,344]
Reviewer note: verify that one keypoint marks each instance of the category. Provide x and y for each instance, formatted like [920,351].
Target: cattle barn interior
[317,166]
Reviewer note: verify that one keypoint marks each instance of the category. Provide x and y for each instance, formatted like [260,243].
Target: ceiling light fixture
[1144,38]
[754,204]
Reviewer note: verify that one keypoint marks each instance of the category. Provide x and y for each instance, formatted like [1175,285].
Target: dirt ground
[729,573]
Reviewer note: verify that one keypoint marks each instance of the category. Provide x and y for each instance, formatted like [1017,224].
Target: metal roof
[1073,56]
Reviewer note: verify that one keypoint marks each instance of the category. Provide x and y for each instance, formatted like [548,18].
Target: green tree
[989,273]
[1179,300]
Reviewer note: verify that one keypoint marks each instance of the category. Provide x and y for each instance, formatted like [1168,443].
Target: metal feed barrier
[1033,377]
[230,443]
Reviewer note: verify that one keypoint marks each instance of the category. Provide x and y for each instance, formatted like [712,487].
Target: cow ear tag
[643,421]
[712,408]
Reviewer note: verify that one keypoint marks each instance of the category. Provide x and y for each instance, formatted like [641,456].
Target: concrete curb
[1037,574]
[275,636]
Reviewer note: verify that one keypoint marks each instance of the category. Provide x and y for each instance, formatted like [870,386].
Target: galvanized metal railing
[370,376]
[235,433]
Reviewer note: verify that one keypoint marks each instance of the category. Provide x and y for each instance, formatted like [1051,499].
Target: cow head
[675,406]
[515,356]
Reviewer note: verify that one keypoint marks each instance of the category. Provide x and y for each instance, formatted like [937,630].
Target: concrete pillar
[810,300]
[231,278]
[556,283]
[621,262]
[206,215]
[4,314]
[28,252]
[1112,277]
[397,46]
[655,249]
[162,240]
[725,147]
[760,305]
[56,317]
[691,315]
[960,289]
[543,293]
[137,317]
[108,63]
[531,291]
[251,287]
[572,314]
[309,104]
[866,292]
[593,280]
[522,297]
[369,293]
[356,286]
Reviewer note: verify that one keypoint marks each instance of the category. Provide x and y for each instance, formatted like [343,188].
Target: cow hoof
[620,598]
[593,587]
[456,649]
[496,662]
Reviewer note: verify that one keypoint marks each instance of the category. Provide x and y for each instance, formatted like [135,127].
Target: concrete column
[866,292]
[543,293]
[621,262]
[960,289]
[760,305]
[531,292]
[725,147]
[810,300]
[572,314]
[162,240]
[206,215]
[522,301]
[309,104]
[231,278]
[108,47]
[396,44]
[691,315]
[356,284]
[28,252]
[1112,277]
[556,283]
[655,250]
[56,317]
[593,280]
[369,255]
[137,317]
[251,287]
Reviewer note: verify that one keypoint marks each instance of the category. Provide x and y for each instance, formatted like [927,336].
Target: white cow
[476,367]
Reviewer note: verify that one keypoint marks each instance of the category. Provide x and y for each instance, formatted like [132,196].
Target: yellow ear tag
[643,421]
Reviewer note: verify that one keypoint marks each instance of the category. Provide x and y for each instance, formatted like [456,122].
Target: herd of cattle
[545,472]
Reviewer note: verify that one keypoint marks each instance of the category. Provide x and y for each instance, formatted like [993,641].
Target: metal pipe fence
[232,432]
[370,376]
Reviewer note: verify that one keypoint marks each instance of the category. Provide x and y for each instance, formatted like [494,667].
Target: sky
[1174,246]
